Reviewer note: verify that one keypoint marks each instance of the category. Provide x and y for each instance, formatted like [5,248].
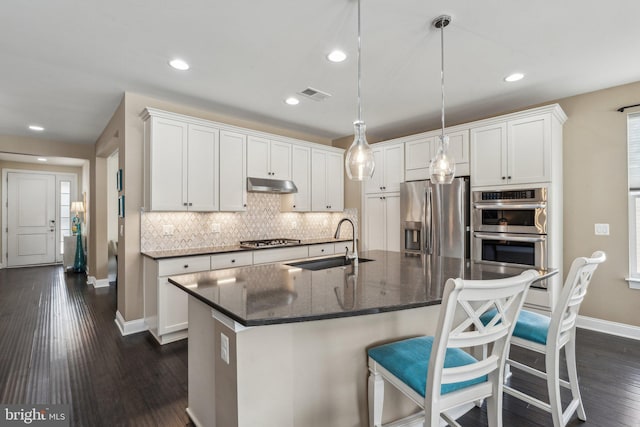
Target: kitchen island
[279,345]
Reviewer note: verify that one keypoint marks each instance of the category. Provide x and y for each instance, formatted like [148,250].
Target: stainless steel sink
[321,264]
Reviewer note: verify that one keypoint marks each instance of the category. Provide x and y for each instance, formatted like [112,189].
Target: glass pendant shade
[443,166]
[359,161]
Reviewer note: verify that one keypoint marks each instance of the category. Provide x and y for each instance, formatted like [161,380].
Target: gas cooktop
[268,243]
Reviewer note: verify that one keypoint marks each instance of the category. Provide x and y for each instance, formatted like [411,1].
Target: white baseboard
[98,283]
[608,327]
[130,327]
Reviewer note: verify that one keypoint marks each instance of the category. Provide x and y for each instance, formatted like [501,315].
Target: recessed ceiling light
[179,64]
[292,100]
[41,159]
[36,128]
[337,56]
[514,77]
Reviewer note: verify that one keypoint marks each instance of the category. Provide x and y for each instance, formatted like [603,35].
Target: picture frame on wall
[119,180]
[121,206]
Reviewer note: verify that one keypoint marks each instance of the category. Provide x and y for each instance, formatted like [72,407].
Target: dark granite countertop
[213,250]
[279,293]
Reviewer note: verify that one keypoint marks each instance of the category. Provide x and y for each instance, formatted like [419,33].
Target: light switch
[602,229]
[215,227]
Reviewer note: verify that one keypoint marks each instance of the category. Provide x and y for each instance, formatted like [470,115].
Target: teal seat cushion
[530,326]
[408,360]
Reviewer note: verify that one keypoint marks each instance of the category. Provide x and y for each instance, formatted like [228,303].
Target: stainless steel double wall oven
[510,227]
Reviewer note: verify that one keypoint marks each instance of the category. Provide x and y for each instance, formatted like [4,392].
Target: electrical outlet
[215,227]
[224,347]
[602,229]
[294,225]
[167,230]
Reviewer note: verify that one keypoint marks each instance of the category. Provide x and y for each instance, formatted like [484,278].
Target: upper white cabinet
[180,165]
[233,171]
[268,159]
[301,177]
[519,149]
[327,181]
[420,149]
[389,169]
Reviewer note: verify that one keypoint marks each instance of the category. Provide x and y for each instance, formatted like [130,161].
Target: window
[65,212]
[633,132]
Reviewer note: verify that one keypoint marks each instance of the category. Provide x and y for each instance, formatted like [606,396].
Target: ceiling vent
[315,94]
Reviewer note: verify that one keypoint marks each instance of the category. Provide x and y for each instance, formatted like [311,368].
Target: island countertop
[281,293]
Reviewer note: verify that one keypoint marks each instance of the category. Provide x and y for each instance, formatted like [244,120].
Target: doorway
[37,215]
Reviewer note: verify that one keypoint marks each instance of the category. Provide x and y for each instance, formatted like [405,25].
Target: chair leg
[494,404]
[570,353]
[376,399]
[553,385]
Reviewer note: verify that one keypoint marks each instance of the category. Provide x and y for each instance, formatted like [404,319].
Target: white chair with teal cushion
[435,372]
[548,335]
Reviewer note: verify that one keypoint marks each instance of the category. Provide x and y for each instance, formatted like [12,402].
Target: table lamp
[78,263]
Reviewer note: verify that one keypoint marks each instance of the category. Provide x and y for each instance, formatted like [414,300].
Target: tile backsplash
[261,220]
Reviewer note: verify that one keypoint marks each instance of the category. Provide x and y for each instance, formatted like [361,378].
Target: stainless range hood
[265,185]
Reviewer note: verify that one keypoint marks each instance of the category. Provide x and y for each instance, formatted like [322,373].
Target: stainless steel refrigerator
[434,219]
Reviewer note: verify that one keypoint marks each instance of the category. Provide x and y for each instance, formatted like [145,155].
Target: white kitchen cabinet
[165,305]
[181,161]
[233,171]
[382,222]
[268,158]
[515,151]
[389,169]
[327,181]
[321,250]
[301,177]
[420,151]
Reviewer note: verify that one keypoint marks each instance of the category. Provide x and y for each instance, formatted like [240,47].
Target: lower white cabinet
[382,222]
[165,305]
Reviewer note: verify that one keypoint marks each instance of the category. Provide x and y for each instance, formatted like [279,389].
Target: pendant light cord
[359,66]
[442,25]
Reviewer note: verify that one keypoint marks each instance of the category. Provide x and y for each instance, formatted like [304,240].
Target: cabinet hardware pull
[190,204]
[294,206]
[508,177]
[186,266]
[321,250]
[184,204]
[504,177]
[244,206]
[233,260]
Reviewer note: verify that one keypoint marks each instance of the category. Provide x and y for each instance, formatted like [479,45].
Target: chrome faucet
[354,254]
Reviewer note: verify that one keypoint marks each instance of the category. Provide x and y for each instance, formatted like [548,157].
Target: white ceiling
[66,63]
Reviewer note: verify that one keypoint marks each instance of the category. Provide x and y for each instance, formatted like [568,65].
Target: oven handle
[509,205]
[510,237]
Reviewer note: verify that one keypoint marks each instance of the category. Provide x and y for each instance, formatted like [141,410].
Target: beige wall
[595,191]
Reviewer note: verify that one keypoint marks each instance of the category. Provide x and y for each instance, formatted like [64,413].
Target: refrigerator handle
[428,222]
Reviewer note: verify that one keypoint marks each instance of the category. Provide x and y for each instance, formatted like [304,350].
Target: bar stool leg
[570,353]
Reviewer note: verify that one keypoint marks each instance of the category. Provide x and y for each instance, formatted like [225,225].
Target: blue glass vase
[78,263]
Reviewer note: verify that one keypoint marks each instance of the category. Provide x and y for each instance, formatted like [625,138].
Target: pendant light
[443,166]
[359,162]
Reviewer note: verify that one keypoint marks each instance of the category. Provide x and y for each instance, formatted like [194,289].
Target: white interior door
[31,217]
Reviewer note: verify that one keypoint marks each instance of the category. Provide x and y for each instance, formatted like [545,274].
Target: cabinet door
[459,147]
[233,172]
[168,165]
[173,314]
[280,160]
[335,182]
[392,222]
[375,183]
[529,150]
[202,171]
[488,155]
[418,155]
[319,180]
[393,167]
[376,223]
[258,157]
[301,176]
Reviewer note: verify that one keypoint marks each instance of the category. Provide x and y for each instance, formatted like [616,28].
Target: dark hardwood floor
[59,344]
